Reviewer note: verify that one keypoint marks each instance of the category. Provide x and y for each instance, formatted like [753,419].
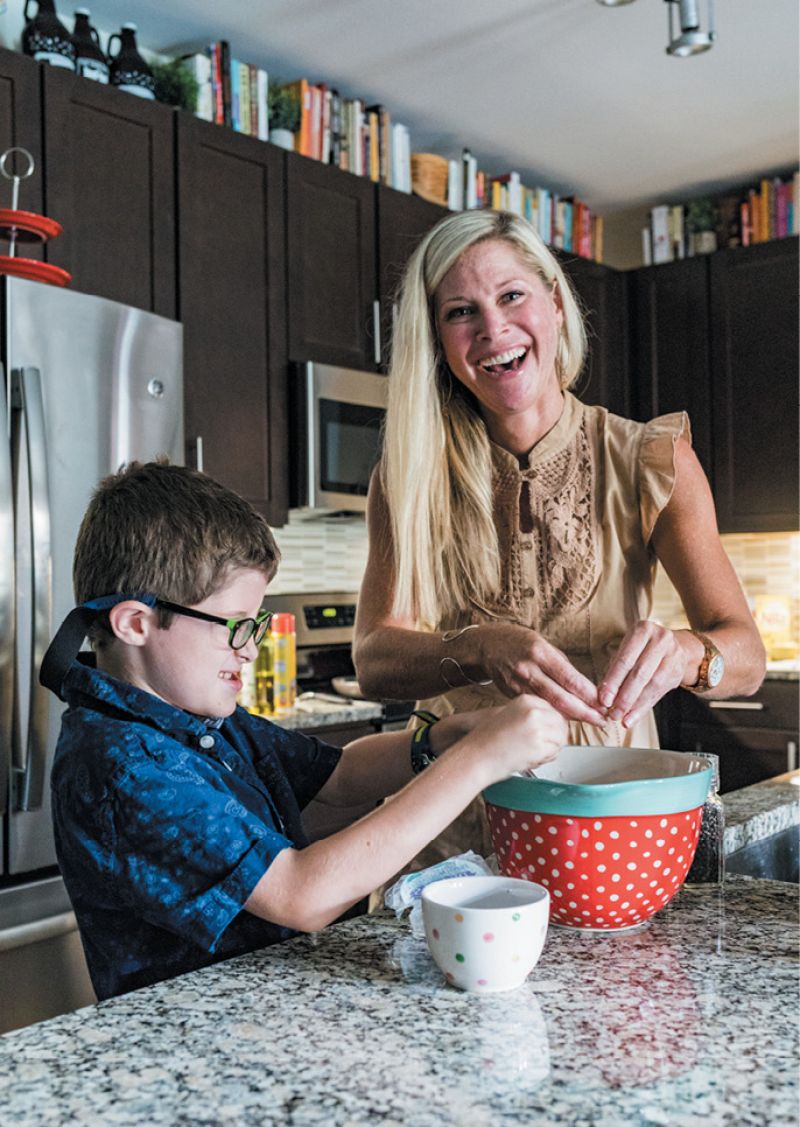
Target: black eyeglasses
[241,630]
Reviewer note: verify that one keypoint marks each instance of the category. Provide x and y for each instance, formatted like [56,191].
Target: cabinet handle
[738,705]
[376,330]
[791,755]
[198,453]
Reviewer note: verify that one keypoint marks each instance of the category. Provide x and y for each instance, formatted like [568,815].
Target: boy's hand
[520,736]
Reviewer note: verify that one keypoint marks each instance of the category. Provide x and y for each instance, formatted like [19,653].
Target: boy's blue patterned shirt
[164,824]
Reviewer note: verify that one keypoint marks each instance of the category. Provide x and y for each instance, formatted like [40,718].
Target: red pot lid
[34,271]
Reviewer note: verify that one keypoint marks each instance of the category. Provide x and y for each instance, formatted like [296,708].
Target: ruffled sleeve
[657,466]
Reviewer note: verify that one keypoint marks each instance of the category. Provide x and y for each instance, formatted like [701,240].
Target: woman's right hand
[519,660]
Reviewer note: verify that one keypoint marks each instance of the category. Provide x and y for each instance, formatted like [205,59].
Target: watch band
[422,755]
[712,666]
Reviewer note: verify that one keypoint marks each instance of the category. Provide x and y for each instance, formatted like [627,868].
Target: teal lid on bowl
[641,781]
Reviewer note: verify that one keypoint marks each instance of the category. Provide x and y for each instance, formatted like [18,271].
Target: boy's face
[190,665]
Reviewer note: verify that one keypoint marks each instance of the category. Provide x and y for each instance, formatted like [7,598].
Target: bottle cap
[282,623]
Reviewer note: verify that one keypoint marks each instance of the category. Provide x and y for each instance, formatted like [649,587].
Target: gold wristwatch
[712,666]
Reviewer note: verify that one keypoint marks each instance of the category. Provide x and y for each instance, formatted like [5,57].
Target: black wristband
[422,754]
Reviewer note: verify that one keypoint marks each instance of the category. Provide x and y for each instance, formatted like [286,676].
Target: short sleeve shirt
[164,824]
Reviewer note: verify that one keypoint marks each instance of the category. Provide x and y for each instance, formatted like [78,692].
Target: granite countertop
[761,810]
[322,711]
[690,1019]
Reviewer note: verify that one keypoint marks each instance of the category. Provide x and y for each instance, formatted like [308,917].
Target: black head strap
[69,638]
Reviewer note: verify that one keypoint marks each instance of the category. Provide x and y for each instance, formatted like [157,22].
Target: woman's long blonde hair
[436,468]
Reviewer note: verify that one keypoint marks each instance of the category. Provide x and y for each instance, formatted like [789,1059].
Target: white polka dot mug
[610,832]
[485,933]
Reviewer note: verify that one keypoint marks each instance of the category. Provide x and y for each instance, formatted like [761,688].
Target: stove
[324,625]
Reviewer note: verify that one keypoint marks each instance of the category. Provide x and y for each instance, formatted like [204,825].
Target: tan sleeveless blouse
[574,523]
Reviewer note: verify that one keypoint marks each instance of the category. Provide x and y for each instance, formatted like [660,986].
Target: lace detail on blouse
[553,569]
[562,491]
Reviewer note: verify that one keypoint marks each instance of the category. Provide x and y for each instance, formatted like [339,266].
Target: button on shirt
[164,824]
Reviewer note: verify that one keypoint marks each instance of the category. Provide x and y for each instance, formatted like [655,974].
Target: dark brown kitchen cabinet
[671,347]
[232,266]
[602,295]
[755,737]
[20,125]
[332,271]
[754,364]
[110,180]
[717,335]
[403,219]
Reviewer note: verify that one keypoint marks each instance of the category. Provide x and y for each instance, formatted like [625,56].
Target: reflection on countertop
[690,1019]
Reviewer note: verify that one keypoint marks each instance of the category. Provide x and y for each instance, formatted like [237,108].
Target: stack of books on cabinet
[754,215]
[363,139]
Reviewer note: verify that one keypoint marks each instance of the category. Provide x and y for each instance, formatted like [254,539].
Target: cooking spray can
[284,662]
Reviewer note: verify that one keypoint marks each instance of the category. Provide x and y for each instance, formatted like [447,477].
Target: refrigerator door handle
[7,596]
[30,760]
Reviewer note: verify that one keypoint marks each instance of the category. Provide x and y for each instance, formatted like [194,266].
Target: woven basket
[429,175]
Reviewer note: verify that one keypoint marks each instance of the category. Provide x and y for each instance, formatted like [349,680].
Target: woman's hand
[650,661]
[519,660]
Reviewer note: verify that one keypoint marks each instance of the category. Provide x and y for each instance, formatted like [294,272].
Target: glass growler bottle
[45,38]
[90,62]
[128,70]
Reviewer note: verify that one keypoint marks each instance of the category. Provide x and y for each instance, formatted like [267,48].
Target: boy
[176,813]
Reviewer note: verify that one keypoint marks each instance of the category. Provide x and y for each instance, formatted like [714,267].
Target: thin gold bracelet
[450,636]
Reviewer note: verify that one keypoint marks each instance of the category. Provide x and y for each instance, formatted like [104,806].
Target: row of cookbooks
[738,219]
[335,130]
[564,222]
[363,139]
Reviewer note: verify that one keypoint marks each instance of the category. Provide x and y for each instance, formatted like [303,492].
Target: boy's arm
[374,766]
[308,888]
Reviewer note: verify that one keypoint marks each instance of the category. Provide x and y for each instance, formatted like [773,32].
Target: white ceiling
[576,96]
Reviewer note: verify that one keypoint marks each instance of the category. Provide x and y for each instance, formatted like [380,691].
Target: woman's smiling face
[499,326]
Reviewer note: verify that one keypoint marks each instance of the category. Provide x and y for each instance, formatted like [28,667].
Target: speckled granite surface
[322,714]
[692,1019]
[760,811]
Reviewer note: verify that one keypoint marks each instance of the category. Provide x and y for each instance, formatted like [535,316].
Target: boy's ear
[132,622]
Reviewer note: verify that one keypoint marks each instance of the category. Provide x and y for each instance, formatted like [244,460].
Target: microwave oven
[337,423]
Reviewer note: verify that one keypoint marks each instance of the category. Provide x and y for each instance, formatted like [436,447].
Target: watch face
[716,667]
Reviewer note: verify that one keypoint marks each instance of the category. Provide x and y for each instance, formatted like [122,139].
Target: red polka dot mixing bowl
[609,832]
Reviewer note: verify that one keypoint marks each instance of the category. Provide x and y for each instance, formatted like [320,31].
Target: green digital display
[329,612]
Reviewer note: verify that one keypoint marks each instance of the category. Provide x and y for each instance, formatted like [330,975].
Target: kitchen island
[692,1018]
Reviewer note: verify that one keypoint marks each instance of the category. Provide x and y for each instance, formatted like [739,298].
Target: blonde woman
[514,531]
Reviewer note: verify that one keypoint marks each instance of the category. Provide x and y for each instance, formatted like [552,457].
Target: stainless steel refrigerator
[87,385]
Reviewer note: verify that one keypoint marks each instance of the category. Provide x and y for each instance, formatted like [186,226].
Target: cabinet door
[232,304]
[602,294]
[21,125]
[670,361]
[402,221]
[110,181]
[746,755]
[332,265]
[754,298]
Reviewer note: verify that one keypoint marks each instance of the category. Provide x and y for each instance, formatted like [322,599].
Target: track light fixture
[691,41]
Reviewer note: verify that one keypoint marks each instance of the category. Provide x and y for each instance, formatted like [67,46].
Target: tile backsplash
[320,554]
[330,554]
[766,563]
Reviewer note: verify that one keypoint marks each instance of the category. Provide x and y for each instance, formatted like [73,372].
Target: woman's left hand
[650,661]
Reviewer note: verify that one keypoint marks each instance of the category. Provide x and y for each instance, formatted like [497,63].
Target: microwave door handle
[31,761]
[8,565]
[313,453]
